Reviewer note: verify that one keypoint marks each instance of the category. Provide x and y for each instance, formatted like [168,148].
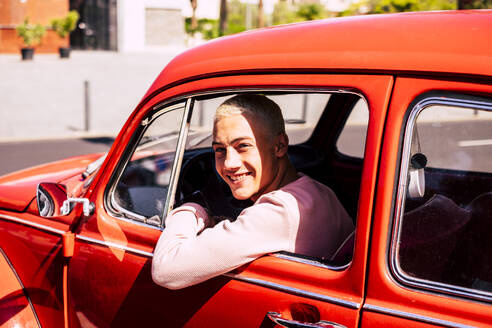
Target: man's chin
[241,195]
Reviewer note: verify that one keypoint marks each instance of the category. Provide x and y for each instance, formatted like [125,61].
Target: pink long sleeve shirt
[303,217]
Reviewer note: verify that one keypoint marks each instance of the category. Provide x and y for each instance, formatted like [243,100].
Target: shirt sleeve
[187,254]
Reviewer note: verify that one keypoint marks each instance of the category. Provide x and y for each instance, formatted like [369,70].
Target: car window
[352,139]
[445,226]
[302,113]
[142,189]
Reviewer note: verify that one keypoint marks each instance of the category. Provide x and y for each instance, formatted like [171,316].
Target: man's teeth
[237,178]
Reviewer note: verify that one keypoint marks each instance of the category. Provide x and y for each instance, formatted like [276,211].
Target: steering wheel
[200,183]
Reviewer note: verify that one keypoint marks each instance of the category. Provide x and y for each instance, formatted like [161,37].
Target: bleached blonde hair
[256,105]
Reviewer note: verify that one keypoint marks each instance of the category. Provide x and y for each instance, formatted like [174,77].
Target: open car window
[304,114]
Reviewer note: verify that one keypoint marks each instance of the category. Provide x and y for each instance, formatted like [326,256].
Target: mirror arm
[87,206]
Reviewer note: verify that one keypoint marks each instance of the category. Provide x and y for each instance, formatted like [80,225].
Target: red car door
[110,281]
[430,252]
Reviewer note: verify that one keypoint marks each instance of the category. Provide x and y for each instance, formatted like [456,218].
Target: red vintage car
[393,112]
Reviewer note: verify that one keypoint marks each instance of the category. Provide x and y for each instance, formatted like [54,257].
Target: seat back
[429,235]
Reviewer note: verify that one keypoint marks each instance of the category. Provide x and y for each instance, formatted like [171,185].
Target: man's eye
[219,150]
[243,146]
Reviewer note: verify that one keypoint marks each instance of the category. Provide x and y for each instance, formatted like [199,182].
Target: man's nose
[232,160]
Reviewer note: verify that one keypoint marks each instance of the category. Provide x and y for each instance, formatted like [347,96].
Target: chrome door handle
[277,318]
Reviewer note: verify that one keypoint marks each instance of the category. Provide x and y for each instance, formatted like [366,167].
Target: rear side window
[443,235]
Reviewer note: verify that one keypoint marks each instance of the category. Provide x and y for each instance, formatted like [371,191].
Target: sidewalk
[44,98]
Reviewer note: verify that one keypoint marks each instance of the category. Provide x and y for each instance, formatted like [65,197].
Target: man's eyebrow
[214,143]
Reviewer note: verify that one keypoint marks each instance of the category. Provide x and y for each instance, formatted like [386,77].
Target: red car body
[94,270]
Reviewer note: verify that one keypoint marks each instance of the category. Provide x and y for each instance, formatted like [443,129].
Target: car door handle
[277,318]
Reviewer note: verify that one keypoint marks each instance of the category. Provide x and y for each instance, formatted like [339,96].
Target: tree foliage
[393,6]
[63,26]
[284,13]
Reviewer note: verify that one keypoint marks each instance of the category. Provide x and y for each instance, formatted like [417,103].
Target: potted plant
[63,26]
[31,35]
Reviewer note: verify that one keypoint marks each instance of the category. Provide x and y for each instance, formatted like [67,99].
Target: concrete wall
[164,27]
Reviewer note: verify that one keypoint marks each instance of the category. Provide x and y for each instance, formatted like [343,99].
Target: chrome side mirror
[53,201]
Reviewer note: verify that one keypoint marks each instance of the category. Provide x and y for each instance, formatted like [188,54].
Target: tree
[194,23]
[223,17]
[261,18]
[310,11]
[283,13]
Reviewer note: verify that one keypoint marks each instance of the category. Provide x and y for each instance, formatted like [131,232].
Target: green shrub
[63,26]
[30,34]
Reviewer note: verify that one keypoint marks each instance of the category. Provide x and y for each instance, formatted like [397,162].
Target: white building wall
[133,29]
[131,25]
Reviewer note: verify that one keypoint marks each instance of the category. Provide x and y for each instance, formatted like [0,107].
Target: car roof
[446,42]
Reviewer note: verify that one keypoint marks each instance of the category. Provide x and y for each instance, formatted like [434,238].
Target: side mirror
[53,201]
[50,199]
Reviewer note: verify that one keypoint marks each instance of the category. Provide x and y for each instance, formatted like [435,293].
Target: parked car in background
[393,112]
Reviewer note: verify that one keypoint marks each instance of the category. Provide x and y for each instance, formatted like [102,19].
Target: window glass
[142,188]
[456,138]
[352,139]
[446,224]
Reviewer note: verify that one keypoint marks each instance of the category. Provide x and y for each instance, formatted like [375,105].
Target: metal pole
[86,106]
[304,107]
[201,114]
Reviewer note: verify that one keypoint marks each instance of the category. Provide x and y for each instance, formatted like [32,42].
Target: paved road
[19,155]
[459,150]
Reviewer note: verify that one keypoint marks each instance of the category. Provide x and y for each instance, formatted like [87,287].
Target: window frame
[434,98]
[161,108]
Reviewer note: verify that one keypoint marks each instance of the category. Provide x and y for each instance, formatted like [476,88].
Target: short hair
[257,105]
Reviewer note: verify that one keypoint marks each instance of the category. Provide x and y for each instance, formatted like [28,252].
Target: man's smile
[238,178]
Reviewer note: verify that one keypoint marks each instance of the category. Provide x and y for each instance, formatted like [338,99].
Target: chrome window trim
[294,291]
[2,252]
[395,269]
[114,245]
[32,224]
[413,316]
[296,258]
[180,148]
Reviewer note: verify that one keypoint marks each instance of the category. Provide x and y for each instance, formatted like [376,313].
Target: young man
[291,212]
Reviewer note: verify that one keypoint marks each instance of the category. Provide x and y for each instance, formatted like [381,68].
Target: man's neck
[286,174]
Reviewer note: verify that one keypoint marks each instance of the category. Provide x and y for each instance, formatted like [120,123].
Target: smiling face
[246,156]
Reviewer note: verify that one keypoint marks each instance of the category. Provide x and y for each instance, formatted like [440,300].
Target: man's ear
[281,145]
